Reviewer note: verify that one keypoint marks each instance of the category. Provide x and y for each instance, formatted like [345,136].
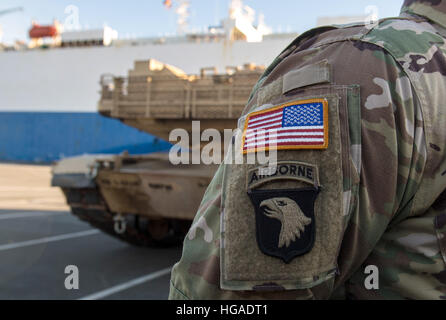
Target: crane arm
[11,10]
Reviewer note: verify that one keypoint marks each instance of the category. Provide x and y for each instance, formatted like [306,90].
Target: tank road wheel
[163,232]
[87,204]
[159,229]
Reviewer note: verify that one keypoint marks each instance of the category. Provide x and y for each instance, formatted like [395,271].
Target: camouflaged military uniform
[365,187]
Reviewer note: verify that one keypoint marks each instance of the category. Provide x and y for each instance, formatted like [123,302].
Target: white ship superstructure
[62,77]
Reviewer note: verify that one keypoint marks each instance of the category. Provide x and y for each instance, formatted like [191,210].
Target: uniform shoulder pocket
[283,222]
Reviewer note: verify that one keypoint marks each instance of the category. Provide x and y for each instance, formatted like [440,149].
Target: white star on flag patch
[296,125]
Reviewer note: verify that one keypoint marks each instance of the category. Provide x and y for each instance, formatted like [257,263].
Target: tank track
[88,205]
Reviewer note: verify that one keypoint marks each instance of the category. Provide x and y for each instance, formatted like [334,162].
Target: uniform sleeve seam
[178,290]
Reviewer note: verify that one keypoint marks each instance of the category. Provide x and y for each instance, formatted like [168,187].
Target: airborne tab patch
[296,125]
[283,170]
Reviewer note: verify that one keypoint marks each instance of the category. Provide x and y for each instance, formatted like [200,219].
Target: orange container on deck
[42,31]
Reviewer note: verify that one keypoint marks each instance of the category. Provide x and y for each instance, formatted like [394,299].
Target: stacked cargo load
[147,200]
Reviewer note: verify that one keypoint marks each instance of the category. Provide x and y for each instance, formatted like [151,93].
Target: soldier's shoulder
[403,32]
[400,30]
[397,36]
[327,34]
[404,35]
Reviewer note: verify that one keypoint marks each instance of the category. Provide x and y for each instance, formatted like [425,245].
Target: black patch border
[290,256]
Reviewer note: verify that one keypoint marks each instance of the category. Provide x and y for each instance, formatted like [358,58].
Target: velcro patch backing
[309,75]
[245,265]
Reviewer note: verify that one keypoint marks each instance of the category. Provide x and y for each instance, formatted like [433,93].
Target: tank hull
[154,200]
[153,187]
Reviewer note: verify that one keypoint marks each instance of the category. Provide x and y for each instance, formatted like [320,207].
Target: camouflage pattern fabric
[392,77]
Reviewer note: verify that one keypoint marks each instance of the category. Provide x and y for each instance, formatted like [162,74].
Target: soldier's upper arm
[306,220]
[337,116]
[283,221]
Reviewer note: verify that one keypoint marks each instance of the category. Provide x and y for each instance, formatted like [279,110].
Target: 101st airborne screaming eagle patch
[285,223]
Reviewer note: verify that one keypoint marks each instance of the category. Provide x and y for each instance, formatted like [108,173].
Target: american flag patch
[296,125]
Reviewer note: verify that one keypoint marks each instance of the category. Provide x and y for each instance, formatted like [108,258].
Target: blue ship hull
[34,137]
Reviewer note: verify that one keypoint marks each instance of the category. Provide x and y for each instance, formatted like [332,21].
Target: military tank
[146,200]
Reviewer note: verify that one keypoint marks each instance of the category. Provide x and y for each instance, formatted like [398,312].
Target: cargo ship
[49,89]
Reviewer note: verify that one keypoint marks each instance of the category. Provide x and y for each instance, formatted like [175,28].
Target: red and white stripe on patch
[296,125]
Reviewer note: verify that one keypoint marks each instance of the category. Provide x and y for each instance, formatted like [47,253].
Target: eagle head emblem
[290,215]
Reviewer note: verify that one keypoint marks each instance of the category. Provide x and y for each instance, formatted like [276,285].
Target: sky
[137,18]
